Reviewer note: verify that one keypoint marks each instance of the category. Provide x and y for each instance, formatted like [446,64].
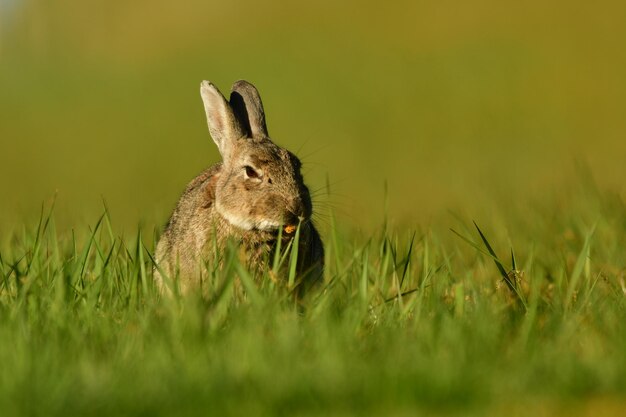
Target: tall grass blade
[277,253]
[293,261]
[248,283]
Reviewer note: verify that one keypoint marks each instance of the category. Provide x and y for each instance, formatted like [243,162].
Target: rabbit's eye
[251,172]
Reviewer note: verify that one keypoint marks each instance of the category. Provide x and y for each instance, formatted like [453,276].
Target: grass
[478,105]
[406,322]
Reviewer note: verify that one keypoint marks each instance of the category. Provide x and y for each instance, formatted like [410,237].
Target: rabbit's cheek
[238,221]
[273,207]
[227,210]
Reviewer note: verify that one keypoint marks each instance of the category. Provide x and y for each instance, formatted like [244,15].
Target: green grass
[405,322]
[482,106]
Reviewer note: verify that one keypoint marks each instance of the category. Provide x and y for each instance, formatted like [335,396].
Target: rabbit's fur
[247,198]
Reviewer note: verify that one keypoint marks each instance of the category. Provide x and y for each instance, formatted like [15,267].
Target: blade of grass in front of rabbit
[167,280]
[223,296]
[293,261]
[285,254]
[277,249]
[248,283]
[216,255]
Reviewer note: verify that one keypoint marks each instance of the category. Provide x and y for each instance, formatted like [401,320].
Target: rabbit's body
[247,198]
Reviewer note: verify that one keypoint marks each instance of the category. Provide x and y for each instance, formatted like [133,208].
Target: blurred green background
[452,104]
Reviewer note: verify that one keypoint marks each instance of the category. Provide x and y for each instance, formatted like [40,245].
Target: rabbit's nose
[298,210]
[294,215]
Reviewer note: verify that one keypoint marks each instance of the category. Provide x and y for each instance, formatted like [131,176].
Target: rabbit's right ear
[224,127]
[248,108]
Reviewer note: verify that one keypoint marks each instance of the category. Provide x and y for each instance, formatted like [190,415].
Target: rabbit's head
[259,186]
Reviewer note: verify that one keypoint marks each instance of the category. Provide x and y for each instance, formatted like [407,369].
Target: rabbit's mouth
[288,229]
[266,225]
[288,225]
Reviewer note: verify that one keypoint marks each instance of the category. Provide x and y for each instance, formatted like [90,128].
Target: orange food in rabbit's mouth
[290,229]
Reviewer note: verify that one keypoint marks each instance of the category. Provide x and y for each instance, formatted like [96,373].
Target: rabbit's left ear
[224,127]
[248,108]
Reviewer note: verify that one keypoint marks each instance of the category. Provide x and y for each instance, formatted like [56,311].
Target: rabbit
[247,198]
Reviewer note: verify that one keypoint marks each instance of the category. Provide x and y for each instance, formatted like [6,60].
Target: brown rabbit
[256,190]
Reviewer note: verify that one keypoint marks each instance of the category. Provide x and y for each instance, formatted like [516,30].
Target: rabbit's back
[185,235]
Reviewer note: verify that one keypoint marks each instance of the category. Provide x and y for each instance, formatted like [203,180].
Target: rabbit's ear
[246,103]
[224,127]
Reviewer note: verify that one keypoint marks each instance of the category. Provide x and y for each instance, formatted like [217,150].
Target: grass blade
[293,261]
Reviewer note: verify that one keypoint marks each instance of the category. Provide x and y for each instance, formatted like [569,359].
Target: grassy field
[406,322]
[422,116]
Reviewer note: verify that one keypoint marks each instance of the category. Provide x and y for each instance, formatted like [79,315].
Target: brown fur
[224,203]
